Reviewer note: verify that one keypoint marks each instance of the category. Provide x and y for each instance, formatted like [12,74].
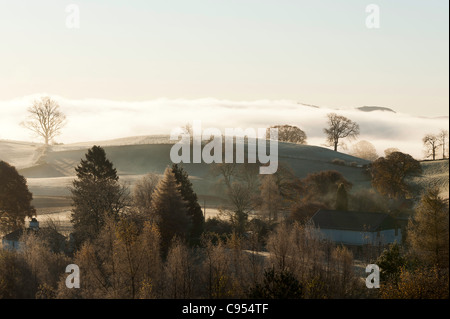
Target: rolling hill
[49,172]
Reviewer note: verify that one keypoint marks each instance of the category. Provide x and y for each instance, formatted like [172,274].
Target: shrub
[280,284]
[338,161]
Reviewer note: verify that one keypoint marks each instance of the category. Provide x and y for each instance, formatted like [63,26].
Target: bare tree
[431,143]
[180,271]
[242,200]
[225,170]
[142,193]
[289,133]
[443,137]
[45,118]
[340,127]
[271,199]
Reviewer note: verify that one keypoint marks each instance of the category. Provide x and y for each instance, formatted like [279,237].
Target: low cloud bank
[94,119]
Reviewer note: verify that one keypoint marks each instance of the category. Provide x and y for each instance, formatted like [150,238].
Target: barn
[357,228]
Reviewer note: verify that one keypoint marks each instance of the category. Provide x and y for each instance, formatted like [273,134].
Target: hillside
[50,173]
[434,174]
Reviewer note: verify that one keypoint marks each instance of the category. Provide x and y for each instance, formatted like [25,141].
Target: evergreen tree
[96,193]
[341,198]
[96,166]
[280,284]
[194,210]
[170,210]
[391,263]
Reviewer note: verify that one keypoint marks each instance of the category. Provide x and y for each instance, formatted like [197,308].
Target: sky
[233,52]
[316,52]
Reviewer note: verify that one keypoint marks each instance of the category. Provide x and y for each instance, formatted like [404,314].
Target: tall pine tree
[96,193]
[194,210]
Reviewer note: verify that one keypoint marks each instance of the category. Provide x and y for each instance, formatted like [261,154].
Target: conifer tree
[428,231]
[194,210]
[96,193]
[170,210]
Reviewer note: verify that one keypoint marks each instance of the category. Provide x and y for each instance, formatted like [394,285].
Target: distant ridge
[375,108]
[310,105]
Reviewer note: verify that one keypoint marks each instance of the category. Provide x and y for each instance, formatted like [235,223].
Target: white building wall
[352,237]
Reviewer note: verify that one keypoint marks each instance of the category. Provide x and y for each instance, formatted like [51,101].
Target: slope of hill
[19,154]
[50,173]
[139,155]
[434,174]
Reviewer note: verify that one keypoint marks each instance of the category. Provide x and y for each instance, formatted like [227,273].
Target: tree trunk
[335,146]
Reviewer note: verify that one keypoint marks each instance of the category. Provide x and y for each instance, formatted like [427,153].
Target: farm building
[13,240]
[357,228]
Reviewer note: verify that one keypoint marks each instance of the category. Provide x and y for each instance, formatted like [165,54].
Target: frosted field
[49,175]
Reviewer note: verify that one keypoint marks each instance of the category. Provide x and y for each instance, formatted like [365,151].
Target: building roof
[15,235]
[356,221]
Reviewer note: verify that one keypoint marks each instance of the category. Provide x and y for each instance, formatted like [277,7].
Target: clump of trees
[289,133]
[322,269]
[434,143]
[389,174]
[419,269]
